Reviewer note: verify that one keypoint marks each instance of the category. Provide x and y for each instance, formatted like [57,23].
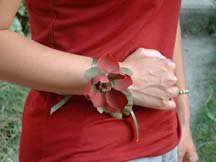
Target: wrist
[183,110]
[186,130]
[185,125]
[184,120]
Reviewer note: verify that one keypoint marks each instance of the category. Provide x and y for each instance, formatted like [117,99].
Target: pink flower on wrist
[106,85]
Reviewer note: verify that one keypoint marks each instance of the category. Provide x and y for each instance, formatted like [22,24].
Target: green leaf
[129,96]
[22,9]
[100,109]
[136,125]
[59,104]
[16,26]
[116,115]
[92,72]
[126,71]
[94,63]
[211,116]
[129,106]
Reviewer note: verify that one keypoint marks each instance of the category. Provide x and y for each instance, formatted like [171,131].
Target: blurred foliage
[212,24]
[204,127]
[11,106]
[21,21]
[196,20]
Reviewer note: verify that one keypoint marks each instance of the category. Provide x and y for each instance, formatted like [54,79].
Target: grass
[11,106]
[204,127]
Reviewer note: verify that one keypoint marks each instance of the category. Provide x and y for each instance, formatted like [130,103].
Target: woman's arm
[27,63]
[186,148]
[30,64]
[184,111]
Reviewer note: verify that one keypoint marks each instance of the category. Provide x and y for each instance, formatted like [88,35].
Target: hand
[154,80]
[186,148]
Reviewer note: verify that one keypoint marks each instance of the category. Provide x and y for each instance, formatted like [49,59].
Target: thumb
[180,155]
[190,157]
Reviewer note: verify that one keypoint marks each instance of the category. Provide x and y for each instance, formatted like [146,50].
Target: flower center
[105,87]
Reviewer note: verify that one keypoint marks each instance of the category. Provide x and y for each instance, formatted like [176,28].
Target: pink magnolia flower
[107,88]
[107,84]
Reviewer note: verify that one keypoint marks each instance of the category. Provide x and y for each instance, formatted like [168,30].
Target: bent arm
[28,63]
[182,100]
[186,147]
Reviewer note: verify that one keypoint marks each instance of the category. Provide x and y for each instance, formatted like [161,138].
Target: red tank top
[77,132]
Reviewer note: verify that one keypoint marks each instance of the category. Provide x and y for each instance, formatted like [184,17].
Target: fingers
[170,64]
[169,104]
[181,154]
[172,92]
[151,53]
[169,79]
[188,158]
[156,54]
[188,155]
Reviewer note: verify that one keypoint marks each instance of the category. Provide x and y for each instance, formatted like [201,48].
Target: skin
[153,87]
[186,149]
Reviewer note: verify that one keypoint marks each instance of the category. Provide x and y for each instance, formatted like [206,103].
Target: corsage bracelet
[107,89]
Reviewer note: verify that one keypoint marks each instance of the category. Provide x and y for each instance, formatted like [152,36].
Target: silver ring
[186,91]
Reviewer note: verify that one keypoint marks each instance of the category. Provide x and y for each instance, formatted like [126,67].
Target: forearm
[182,100]
[27,63]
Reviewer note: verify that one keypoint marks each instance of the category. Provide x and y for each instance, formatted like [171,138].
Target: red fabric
[77,132]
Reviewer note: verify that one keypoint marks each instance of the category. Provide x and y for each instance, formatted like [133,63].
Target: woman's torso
[77,132]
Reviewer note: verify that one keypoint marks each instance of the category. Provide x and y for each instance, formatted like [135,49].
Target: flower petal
[100,78]
[98,99]
[88,89]
[113,76]
[121,84]
[93,94]
[108,64]
[116,101]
